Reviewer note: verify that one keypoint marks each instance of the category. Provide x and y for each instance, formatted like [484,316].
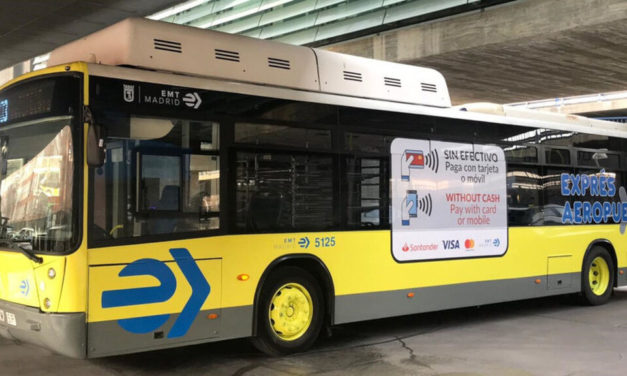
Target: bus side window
[160,182]
[524,187]
[367,192]
[590,197]
[283,192]
[556,156]
[366,180]
[553,201]
[178,193]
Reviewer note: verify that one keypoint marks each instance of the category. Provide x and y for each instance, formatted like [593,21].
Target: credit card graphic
[419,158]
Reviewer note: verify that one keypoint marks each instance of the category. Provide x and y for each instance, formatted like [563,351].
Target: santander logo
[419,247]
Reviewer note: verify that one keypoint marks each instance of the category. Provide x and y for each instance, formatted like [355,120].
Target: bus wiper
[23,249]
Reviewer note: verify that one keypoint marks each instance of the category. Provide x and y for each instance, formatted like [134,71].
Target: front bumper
[63,333]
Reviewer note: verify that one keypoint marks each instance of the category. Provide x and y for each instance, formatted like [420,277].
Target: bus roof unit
[573,122]
[143,43]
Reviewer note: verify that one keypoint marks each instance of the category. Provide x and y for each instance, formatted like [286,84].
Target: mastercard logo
[469,243]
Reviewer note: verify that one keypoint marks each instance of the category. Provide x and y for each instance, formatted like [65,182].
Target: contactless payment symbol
[432,160]
[426,204]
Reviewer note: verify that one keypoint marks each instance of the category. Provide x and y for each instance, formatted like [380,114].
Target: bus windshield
[38,201]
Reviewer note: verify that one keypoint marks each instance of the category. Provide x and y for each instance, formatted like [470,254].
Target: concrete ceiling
[32,27]
[582,60]
[521,50]
[313,22]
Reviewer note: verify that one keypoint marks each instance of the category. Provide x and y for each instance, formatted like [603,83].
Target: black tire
[285,279]
[602,277]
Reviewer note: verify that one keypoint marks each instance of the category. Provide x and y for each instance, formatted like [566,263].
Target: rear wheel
[290,312]
[597,280]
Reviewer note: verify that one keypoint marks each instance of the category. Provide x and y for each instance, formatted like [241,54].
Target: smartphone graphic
[412,196]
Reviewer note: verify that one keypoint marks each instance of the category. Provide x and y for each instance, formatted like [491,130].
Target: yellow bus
[211,186]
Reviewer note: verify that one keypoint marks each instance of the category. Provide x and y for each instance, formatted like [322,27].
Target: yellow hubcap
[291,311]
[599,276]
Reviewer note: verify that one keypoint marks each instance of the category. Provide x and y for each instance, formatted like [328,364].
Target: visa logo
[450,244]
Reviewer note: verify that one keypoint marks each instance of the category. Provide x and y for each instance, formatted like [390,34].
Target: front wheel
[290,313]
[597,280]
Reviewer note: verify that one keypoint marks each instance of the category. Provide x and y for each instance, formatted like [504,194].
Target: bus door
[154,273]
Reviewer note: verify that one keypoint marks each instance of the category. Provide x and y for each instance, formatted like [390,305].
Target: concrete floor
[537,337]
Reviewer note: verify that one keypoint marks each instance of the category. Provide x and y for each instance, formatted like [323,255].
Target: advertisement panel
[448,200]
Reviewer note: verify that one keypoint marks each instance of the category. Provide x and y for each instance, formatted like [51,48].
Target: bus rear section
[42,269]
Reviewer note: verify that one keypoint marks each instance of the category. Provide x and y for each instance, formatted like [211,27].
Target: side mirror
[95,146]
[95,140]
[4,142]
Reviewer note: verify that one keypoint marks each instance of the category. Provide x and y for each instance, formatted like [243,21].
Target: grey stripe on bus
[622,278]
[108,338]
[367,306]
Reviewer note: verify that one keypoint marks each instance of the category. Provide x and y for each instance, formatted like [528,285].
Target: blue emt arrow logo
[25,287]
[304,242]
[157,294]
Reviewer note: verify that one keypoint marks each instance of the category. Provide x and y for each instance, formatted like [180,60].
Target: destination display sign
[4,110]
[30,100]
